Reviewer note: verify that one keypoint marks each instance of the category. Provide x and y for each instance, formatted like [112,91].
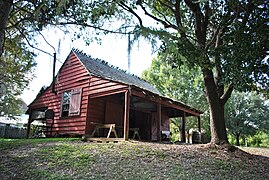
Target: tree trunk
[216,107]
[5,7]
[237,139]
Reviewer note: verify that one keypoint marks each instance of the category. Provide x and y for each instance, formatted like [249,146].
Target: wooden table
[111,127]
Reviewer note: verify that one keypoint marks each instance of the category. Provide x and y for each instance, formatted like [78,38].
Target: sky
[113,49]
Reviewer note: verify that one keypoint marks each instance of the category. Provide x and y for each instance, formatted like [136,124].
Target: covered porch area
[134,114]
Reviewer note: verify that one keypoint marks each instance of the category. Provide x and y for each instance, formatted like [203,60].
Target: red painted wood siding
[72,75]
[101,87]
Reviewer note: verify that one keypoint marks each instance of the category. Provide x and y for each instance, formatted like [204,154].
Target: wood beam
[165,103]
[29,124]
[182,132]
[107,93]
[126,114]
[199,123]
[159,120]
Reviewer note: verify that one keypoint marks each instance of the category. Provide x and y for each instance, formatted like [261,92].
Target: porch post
[199,123]
[159,119]
[29,124]
[126,115]
[182,133]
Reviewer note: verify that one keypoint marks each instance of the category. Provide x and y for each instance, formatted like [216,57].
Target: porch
[116,115]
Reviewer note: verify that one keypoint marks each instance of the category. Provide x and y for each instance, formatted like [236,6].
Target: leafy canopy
[229,37]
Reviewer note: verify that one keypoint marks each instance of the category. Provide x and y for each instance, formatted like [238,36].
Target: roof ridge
[107,64]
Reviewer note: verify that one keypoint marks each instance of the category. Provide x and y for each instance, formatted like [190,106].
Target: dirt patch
[256,151]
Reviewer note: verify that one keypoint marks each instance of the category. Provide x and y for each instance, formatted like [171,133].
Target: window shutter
[75,102]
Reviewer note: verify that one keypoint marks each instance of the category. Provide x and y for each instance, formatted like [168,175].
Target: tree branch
[215,38]
[92,26]
[5,8]
[224,98]
[167,5]
[249,7]
[32,46]
[178,19]
[206,20]
[166,20]
[46,41]
[166,25]
[127,8]
[196,10]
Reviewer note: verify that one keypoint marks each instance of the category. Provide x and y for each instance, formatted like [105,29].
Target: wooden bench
[135,132]
[111,127]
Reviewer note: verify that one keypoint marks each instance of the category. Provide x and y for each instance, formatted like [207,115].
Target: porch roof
[165,101]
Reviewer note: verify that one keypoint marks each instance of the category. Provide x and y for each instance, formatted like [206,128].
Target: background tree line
[246,113]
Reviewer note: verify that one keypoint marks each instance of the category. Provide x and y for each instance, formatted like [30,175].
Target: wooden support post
[159,119]
[126,115]
[199,123]
[182,133]
[29,124]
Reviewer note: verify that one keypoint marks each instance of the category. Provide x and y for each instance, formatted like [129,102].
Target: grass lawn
[73,159]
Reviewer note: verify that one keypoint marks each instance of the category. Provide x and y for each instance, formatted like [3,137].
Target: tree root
[223,146]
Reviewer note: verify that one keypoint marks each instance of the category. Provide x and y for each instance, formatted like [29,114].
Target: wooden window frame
[74,102]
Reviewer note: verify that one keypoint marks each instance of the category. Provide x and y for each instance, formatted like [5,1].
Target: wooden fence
[12,132]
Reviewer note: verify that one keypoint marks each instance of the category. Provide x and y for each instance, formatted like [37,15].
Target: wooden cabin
[89,97]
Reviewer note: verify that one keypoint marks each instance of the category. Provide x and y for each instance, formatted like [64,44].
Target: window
[66,103]
[71,101]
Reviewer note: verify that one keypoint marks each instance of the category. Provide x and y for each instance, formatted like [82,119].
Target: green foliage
[246,114]
[260,139]
[182,84]
[16,68]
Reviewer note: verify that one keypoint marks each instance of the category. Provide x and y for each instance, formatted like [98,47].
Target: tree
[183,84]
[20,23]
[246,114]
[228,40]
[16,67]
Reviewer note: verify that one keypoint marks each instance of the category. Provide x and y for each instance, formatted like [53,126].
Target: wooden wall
[100,87]
[72,75]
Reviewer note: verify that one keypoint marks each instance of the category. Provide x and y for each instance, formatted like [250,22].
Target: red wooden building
[90,95]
